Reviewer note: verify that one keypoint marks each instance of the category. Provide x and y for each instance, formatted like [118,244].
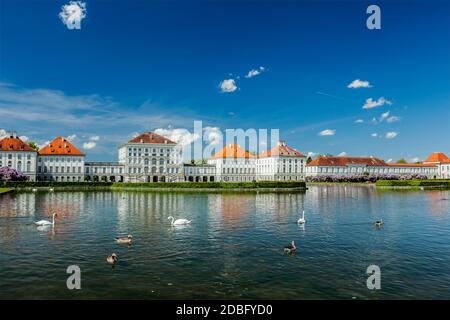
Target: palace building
[150,157]
[19,155]
[325,165]
[61,161]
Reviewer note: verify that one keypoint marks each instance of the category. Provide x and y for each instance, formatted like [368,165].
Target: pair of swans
[178,222]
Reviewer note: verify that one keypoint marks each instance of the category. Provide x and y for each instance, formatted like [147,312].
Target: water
[234,247]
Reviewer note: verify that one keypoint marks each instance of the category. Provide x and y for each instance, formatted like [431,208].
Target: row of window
[104,170]
[56,169]
[19,156]
[60,159]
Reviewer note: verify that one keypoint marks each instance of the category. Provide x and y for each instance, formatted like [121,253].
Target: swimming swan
[302,219]
[178,222]
[46,222]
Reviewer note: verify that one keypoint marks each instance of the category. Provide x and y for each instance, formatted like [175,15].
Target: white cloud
[89,145]
[389,161]
[72,13]
[370,103]
[374,135]
[179,135]
[228,85]
[327,132]
[384,116]
[359,121]
[393,119]
[355,84]
[72,137]
[414,160]
[2,133]
[312,154]
[24,138]
[391,135]
[342,154]
[213,135]
[94,138]
[255,72]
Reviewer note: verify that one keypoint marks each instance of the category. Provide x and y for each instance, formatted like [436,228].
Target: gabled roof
[14,144]
[232,151]
[281,151]
[151,137]
[344,161]
[60,146]
[437,157]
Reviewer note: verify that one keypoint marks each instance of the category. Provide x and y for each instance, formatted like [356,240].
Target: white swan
[51,189]
[178,222]
[34,189]
[46,222]
[302,219]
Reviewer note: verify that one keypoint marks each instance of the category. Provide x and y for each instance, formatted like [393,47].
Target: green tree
[33,145]
[308,160]
[402,161]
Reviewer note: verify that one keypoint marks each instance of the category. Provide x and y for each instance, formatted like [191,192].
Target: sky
[311,69]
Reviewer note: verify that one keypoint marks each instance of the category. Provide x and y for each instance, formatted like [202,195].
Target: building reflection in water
[439,202]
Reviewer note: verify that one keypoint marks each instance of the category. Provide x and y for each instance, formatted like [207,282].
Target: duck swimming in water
[112,259]
[379,223]
[124,240]
[290,248]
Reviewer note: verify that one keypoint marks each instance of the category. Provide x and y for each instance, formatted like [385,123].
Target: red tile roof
[436,157]
[14,144]
[60,146]
[233,151]
[343,161]
[283,151]
[151,137]
[411,165]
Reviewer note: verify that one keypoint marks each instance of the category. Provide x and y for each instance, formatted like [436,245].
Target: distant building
[16,154]
[365,165]
[442,162]
[234,164]
[198,172]
[150,157]
[104,171]
[281,163]
[61,161]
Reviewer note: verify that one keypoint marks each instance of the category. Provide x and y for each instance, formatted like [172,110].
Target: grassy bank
[5,190]
[414,183]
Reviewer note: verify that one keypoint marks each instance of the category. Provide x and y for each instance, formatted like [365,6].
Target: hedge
[413,183]
[213,185]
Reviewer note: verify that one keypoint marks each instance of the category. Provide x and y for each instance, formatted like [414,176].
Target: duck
[112,259]
[302,219]
[124,240]
[46,222]
[379,223]
[178,222]
[290,248]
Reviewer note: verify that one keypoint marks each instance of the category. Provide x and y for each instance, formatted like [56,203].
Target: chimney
[12,134]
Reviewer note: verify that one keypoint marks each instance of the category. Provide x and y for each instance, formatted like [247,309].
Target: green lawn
[4,190]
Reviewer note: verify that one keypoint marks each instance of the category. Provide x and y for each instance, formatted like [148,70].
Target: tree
[402,161]
[33,145]
[308,160]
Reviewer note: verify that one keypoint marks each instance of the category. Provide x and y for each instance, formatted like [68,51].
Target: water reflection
[233,247]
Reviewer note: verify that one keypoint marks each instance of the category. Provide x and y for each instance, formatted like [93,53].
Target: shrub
[413,183]
[10,174]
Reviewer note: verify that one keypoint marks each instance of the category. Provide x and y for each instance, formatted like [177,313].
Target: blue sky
[138,66]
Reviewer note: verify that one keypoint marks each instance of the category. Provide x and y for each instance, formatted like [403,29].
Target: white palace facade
[150,157]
